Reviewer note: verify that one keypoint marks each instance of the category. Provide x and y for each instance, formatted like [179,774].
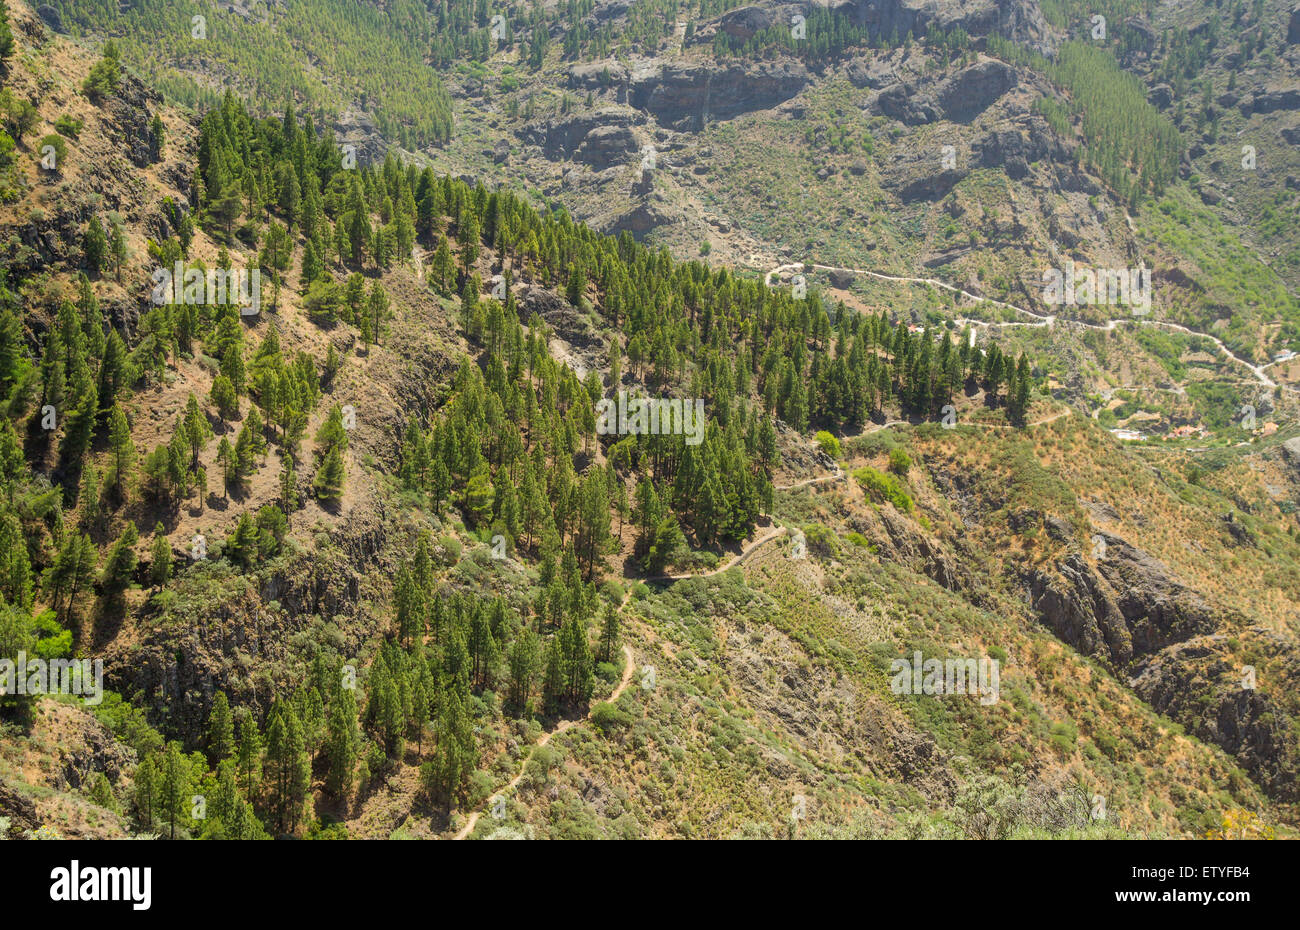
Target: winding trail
[629,666]
[1040,319]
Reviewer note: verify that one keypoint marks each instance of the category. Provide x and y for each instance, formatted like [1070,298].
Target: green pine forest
[512,451]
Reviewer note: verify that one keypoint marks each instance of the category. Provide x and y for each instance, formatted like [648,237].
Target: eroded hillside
[363,563]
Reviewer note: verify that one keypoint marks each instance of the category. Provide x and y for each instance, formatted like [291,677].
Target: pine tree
[328,482]
[175,786]
[342,743]
[123,451]
[525,661]
[196,429]
[288,485]
[119,567]
[609,635]
[250,755]
[553,681]
[94,246]
[160,555]
[221,730]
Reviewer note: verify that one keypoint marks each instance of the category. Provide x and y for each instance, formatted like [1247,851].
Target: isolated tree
[221,730]
[328,482]
[196,429]
[157,136]
[376,311]
[288,485]
[104,75]
[609,635]
[94,246]
[160,554]
[223,397]
[119,567]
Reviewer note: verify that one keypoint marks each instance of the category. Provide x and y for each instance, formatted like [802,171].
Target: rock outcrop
[687,96]
[972,90]
[1201,685]
[609,128]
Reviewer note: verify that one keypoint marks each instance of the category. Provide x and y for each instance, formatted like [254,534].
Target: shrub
[68,125]
[608,717]
[829,444]
[883,487]
[55,142]
[820,540]
[899,461]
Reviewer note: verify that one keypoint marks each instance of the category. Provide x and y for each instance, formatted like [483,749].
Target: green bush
[830,444]
[68,125]
[883,487]
[608,717]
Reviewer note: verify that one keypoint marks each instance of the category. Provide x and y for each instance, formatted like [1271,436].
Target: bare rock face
[1291,452]
[1009,148]
[961,98]
[1081,609]
[51,17]
[177,668]
[606,145]
[686,97]
[86,747]
[563,137]
[1128,607]
[638,221]
[1131,611]
[1199,684]
[972,90]
[19,810]
[1269,101]
[360,131]
[923,554]
[920,175]
[904,102]
[1158,608]
[871,71]
[745,22]
[1019,20]
[131,108]
[597,75]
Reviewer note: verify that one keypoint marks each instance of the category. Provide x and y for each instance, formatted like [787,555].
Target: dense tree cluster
[1127,140]
[382,49]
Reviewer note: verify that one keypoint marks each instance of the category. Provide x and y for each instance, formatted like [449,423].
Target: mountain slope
[409,563]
